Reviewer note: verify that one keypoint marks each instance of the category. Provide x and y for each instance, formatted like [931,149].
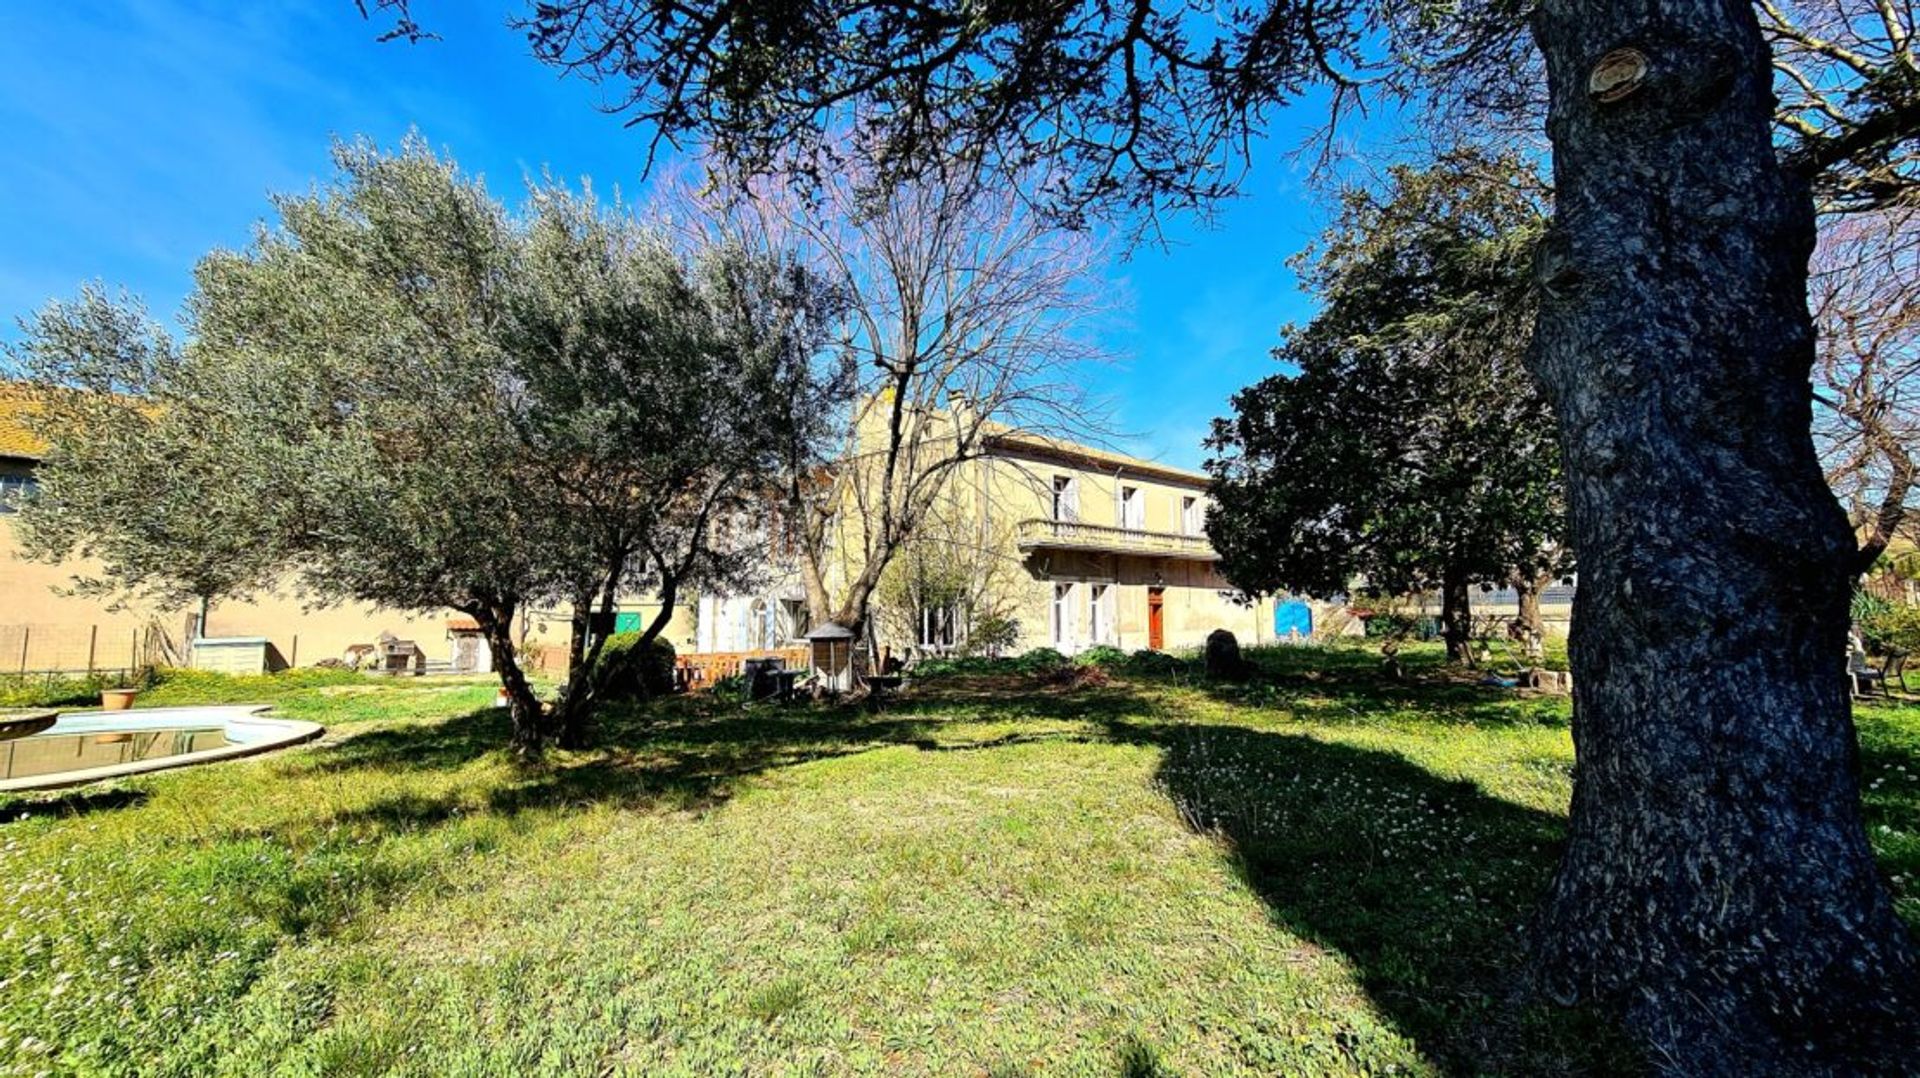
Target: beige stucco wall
[983,504]
[49,628]
[44,628]
[1196,602]
[988,498]
[1014,486]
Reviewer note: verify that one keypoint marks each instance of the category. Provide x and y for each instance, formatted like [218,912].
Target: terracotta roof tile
[15,439]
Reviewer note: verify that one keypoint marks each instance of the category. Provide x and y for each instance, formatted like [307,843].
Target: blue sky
[143,133]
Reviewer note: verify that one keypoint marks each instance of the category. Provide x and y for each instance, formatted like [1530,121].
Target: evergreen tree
[1409,447]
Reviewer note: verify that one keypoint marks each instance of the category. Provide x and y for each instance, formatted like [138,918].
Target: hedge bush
[627,670]
[1102,655]
[1039,661]
[992,634]
[950,665]
[1156,663]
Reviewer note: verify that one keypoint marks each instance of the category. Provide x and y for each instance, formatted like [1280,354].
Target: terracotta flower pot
[117,699]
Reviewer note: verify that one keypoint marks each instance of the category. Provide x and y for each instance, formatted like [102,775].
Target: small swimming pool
[87,746]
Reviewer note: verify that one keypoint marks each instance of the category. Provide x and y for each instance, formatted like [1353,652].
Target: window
[1066,498]
[1062,611]
[1192,520]
[1100,611]
[938,626]
[15,490]
[1133,509]
[794,618]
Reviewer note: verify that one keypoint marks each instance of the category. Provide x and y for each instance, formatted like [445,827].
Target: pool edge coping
[296,732]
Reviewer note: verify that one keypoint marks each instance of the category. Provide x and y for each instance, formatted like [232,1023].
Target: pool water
[56,751]
[88,746]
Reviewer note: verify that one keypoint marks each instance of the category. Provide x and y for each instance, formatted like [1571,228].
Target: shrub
[731,689]
[1891,627]
[1039,661]
[628,670]
[185,680]
[992,634]
[1102,655]
[1866,606]
[1155,663]
[1391,625]
[952,665]
[941,667]
[38,690]
[172,686]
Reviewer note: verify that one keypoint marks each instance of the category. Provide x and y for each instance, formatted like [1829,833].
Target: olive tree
[491,411]
[651,380]
[403,394]
[135,476]
[358,341]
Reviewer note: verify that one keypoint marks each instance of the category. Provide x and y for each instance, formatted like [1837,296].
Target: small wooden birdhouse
[832,656]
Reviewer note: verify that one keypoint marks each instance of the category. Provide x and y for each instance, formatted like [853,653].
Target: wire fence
[57,651]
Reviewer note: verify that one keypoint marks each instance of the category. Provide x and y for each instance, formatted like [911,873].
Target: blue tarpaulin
[1292,618]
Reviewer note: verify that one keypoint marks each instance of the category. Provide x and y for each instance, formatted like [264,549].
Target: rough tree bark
[1717,888]
[1892,511]
[496,624]
[1532,625]
[572,713]
[1527,610]
[578,626]
[1456,617]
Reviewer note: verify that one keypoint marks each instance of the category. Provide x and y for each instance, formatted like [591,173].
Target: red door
[1157,618]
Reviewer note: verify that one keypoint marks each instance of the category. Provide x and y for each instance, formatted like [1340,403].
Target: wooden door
[1157,618]
[466,653]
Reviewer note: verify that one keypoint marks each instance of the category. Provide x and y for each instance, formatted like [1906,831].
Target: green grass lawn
[1315,873]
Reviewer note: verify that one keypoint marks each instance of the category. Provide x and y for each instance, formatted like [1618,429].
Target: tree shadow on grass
[677,755]
[79,801]
[1344,684]
[683,757]
[689,736]
[416,746]
[671,755]
[1422,883]
[696,727]
[1354,693]
[954,702]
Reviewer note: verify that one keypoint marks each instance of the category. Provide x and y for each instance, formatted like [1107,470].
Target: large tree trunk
[1456,617]
[1532,625]
[578,627]
[573,717]
[496,623]
[1527,609]
[1717,887]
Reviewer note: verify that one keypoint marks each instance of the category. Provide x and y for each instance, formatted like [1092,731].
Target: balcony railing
[1075,535]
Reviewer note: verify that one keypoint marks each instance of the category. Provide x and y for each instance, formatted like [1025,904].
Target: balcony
[1101,538]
